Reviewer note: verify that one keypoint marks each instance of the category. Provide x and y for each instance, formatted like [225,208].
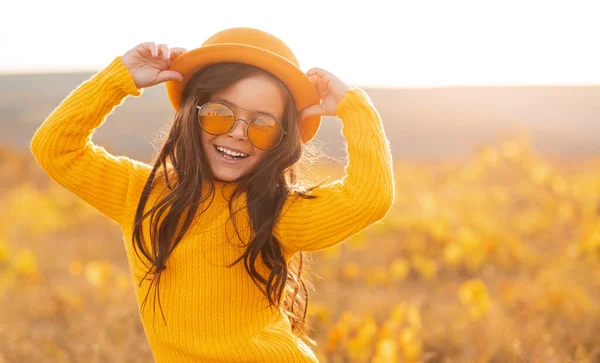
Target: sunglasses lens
[215,118]
[264,132]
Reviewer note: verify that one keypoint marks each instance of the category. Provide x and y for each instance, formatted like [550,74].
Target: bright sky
[374,42]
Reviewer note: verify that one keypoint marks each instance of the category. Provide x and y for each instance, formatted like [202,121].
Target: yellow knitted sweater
[214,313]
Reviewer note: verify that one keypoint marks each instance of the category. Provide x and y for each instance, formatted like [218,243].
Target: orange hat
[255,47]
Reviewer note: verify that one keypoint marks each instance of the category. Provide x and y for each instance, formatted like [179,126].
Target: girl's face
[252,96]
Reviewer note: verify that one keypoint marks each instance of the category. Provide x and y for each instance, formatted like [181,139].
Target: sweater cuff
[360,119]
[120,78]
[354,100]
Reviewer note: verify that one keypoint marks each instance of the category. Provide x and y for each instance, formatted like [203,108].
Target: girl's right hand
[149,63]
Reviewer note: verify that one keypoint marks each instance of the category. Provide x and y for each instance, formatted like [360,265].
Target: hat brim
[302,89]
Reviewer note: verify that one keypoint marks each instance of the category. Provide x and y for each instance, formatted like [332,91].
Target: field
[494,258]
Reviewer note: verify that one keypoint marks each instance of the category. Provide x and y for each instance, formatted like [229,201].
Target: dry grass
[496,259]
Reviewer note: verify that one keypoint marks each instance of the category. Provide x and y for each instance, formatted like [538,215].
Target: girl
[214,230]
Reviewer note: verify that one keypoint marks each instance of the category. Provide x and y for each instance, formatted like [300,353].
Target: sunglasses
[216,118]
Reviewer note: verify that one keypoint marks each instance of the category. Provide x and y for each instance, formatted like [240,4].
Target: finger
[151,46]
[316,71]
[165,76]
[177,51]
[164,51]
[313,110]
[321,85]
[320,79]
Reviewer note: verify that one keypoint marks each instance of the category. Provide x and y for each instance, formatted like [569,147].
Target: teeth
[231,152]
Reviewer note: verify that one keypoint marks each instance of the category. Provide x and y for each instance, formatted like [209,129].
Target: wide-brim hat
[257,48]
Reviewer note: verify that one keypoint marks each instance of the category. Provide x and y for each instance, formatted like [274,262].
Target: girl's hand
[149,63]
[331,91]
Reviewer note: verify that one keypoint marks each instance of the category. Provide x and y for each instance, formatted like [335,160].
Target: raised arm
[362,197]
[63,147]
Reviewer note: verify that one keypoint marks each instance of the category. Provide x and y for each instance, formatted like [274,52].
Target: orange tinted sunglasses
[216,118]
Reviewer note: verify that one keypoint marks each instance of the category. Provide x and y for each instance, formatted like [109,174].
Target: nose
[239,130]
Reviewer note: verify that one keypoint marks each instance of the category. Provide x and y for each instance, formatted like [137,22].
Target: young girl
[213,228]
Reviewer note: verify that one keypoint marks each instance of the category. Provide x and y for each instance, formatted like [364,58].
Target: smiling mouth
[230,154]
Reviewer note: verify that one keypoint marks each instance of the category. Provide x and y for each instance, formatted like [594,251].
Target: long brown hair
[182,162]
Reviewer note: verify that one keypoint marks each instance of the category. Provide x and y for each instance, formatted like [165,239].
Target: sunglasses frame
[283,132]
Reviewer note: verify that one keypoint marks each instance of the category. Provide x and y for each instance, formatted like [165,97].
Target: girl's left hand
[331,91]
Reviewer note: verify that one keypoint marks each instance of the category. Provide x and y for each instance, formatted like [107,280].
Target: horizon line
[20,73]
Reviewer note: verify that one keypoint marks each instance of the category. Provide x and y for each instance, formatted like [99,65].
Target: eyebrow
[229,103]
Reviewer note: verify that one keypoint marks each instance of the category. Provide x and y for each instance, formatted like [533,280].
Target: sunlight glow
[385,43]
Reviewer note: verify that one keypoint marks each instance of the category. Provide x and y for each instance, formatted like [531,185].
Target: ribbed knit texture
[214,313]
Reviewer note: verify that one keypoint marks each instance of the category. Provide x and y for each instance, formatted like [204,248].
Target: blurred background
[491,252]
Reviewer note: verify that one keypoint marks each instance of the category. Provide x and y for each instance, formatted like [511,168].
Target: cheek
[259,155]
[206,139]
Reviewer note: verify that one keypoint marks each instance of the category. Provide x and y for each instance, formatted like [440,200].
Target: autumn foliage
[495,258]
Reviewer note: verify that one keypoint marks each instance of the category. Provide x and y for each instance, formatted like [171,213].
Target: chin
[227,173]
[226,177]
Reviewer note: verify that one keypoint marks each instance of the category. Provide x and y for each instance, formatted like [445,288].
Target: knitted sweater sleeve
[363,196]
[62,144]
